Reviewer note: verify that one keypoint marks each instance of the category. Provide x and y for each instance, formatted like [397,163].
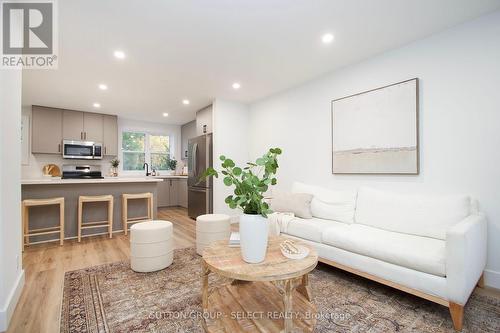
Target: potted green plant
[114,167]
[172,165]
[250,183]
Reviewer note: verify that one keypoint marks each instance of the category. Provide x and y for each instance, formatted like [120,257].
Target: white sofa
[431,246]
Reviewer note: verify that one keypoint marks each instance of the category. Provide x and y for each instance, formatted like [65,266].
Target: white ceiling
[196,49]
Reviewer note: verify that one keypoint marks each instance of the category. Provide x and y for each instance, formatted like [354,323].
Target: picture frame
[377,131]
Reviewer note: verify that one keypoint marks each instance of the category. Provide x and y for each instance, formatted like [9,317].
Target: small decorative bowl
[303,252]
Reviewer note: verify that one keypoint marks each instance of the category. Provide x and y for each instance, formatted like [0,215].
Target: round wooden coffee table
[260,297]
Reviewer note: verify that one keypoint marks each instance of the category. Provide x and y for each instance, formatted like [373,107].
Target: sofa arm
[465,257]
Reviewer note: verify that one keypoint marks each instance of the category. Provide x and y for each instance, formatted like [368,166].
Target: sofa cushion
[297,203]
[423,254]
[329,204]
[421,215]
[312,229]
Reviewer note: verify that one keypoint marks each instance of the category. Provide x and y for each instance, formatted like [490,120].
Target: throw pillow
[297,203]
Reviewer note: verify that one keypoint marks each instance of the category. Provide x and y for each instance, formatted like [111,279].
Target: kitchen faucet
[146,166]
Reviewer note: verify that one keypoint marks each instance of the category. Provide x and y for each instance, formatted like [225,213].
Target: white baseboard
[492,278]
[10,305]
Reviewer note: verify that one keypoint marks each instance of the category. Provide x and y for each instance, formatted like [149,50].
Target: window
[134,153]
[159,151]
[139,147]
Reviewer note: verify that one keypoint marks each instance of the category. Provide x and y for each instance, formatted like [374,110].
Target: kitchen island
[71,189]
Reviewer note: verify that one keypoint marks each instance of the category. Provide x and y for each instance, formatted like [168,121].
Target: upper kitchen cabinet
[72,125]
[93,127]
[110,135]
[50,126]
[79,125]
[204,121]
[188,131]
[46,130]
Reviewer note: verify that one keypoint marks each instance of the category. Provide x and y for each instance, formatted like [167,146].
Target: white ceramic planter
[254,230]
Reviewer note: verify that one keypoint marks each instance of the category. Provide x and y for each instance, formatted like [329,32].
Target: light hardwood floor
[38,309]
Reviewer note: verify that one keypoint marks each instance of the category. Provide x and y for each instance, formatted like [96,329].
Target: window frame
[147,151]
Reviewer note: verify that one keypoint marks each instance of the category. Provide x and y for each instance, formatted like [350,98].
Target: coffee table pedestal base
[260,307]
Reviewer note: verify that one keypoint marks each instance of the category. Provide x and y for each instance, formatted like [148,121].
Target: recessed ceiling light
[119,54]
[102,86]
[185,101]
[236,86]
[96,105]
[327,38]
[165,114]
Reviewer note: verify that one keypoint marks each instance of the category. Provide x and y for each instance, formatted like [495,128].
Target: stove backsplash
[37,161]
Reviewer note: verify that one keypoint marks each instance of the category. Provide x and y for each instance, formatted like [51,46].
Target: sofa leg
[480,282]
[457,315]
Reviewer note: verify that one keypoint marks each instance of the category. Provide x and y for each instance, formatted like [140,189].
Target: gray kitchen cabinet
[164,193]
[183,192]
[50,126]
[79,125]
[204,121]
[46,130]
[93,127]
[110,135]
[172,192]
[188,131]
[72,125]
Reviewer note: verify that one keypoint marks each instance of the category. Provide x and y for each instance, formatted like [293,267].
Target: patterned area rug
[113,298]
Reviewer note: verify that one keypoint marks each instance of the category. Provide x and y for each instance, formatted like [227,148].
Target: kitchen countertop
[171,176]
[106,180]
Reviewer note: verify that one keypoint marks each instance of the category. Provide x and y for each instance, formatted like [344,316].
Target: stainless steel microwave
[82,150]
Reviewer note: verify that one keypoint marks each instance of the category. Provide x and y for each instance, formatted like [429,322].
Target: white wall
[459,72]
[11,273]
[153,128]
[230,137]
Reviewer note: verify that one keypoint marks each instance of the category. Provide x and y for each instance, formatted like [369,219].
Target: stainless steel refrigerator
[200,192]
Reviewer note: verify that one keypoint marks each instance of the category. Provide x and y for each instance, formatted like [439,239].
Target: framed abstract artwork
[376,131]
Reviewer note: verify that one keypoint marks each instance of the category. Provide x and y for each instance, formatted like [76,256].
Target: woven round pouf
[211,228]
[151,246]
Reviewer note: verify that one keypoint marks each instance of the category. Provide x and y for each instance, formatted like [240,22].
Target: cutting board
[51,169]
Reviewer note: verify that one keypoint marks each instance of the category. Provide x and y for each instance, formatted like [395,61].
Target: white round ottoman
[151,246]
[211,228]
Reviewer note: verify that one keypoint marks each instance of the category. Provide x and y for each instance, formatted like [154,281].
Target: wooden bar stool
[125,219]
[27,233]
[97,224]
